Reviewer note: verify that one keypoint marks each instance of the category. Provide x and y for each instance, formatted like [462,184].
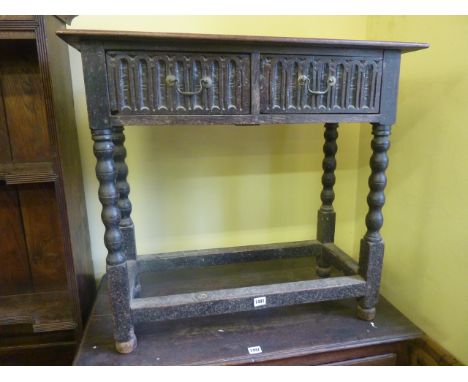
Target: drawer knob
[205,83]
[304,80]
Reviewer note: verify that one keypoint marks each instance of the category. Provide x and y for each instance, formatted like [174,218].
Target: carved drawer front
[320,84]
[178,83]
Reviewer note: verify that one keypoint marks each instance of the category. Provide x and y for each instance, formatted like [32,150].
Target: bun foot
[323,272]
[126,347]
[365,314]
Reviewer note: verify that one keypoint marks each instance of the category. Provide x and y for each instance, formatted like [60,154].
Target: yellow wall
[425,230]
[201,187]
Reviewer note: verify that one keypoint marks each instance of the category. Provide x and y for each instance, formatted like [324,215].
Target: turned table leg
[116,265]
[326,214]
[126,224]
[372,245]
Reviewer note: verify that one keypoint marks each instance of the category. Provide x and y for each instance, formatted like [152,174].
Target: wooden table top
[224,340]
[76,36]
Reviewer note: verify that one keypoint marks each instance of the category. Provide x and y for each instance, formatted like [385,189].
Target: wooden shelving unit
[46,274]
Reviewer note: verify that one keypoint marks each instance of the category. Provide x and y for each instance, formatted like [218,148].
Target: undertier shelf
[228,280]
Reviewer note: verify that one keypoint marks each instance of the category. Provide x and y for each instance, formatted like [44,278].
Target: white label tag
[259,301]
[254,350]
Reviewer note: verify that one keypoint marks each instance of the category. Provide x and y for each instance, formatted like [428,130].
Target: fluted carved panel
[357,88]
[137,83]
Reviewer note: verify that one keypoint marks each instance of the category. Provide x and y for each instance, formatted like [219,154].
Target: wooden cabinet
[46,273]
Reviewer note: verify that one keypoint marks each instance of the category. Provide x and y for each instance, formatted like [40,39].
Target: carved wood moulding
[357,87]
[138,83]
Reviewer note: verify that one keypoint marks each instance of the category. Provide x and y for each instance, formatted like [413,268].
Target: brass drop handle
[304,80]
[205,83]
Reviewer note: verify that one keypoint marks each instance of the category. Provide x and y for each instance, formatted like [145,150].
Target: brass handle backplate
[304,80]
[205,83]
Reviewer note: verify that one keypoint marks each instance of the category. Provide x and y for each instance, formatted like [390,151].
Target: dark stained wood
[221,301]
[74,37]
[390,87]
[388,359]
[255,78]
[339,259]
[17,35]
[43,237]
[94,58]
[372,245]
[23,100]
[234,297]
[43,312]
[15,275]
[326,216]
[137,83]
[357,87]
[116,261]
[232,255]
[309,334]
[54,353]
[241,120]
[33,172]
[106,172]
[240,275]
[5,151]
[149,78]
[386,354]
[70,191]
[262,270]
[426,352]
[17,18]
[126,223]
[11,339]
[41,181]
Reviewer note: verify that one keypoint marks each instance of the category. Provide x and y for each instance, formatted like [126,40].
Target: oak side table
[134,78]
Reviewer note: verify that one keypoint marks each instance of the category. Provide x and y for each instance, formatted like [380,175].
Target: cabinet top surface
[77,37]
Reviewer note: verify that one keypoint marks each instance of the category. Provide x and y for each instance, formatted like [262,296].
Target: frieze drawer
[178,83]
[319,84]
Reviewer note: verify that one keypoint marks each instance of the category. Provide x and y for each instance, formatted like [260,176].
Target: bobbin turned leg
[326,214]
[116,265]
[126,224]
[372,245]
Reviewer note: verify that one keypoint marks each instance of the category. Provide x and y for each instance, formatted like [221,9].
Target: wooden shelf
[37,312]
[23,173]
[17,35]
[308,334]
[284,275]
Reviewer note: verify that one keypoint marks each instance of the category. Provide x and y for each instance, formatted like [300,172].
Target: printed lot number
[259,301]
[254,350]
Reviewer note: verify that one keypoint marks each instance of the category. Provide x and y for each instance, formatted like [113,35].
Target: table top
[76,36]
[224,340]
